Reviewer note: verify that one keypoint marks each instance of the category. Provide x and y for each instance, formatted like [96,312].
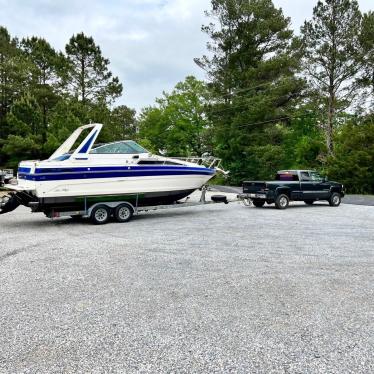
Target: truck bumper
[260,196]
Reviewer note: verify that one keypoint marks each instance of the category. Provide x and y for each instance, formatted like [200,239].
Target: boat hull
[81,203]
[65,191]
[112,186]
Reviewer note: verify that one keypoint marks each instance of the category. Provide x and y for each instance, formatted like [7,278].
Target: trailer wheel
[258,203]
[282,201]
[100,214]
[123,213]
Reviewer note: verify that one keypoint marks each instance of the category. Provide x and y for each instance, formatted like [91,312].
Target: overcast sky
[150,43]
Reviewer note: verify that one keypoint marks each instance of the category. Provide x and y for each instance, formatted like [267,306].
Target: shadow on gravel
[295,206]
[37,222]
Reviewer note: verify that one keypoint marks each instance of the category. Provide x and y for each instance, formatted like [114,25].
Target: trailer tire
[258,203]
[100,214]
[282,201]
[123,212]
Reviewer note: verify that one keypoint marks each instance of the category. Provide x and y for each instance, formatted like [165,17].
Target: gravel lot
[220,288]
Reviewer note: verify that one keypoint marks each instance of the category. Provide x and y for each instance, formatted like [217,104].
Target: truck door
[320,186]
[307,186]
[313,186]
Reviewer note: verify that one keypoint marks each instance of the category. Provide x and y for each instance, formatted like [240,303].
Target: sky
[151,43]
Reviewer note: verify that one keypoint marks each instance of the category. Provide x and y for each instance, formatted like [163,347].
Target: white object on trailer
[6,175]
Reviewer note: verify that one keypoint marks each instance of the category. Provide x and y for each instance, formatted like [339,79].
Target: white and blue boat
[119,171]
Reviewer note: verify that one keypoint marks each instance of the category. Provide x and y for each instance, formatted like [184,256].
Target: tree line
[272,99]
[45,94]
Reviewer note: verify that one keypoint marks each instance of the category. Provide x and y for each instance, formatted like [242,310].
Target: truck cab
[293,185]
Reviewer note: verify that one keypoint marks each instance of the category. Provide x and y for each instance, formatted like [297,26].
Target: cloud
[150,43]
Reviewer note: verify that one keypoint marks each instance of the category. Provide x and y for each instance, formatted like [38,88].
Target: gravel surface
[213,289]
[359,200]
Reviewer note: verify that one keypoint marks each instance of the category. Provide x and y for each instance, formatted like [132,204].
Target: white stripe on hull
[111,186]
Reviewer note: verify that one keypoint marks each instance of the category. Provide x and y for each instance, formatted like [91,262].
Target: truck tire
[309,202]
[100,214]
[282,201]
[335,199]
[123,213]
[258,203]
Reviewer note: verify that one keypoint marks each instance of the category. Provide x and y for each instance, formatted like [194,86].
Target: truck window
[304,175]
[286,177]
[314,176]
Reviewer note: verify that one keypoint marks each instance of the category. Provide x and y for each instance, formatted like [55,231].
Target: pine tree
[14,76]
[89,76]
[252,72]
[48,75]
[366,78]
[331,50]
[122,124]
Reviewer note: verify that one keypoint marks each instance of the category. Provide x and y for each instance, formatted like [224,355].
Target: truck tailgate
[254,186]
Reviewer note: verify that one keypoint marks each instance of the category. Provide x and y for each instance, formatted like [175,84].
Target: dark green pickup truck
[296,185]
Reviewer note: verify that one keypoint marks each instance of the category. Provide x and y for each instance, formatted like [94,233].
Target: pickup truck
[293,185]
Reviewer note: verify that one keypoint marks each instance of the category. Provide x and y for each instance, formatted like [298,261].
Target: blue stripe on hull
[24,170]
[116,168]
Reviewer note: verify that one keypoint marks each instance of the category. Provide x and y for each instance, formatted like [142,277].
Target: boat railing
[210,161]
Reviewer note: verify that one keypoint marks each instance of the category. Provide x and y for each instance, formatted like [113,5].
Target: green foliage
[88,75]
[353,162]
[45,95]
[366,78]
[331,51]
[255,111]
[122,124]
[25,117]
[304,143]
[14,76]
[48,76]
[254,85]
[178,125]
[28,147]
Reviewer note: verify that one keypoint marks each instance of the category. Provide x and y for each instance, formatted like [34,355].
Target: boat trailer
[101,212]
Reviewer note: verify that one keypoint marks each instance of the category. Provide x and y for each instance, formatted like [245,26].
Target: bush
[353,160]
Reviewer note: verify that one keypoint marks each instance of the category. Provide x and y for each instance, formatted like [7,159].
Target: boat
[73,177]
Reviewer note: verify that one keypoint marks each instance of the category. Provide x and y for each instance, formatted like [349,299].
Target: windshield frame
[132,145]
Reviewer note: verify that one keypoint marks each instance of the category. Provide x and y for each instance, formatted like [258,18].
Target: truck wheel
[282,201]
[100,214]
[335,199]
[123,213]
[258,203]
[309,202]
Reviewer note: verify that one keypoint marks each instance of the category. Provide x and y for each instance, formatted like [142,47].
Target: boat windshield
[123,147]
